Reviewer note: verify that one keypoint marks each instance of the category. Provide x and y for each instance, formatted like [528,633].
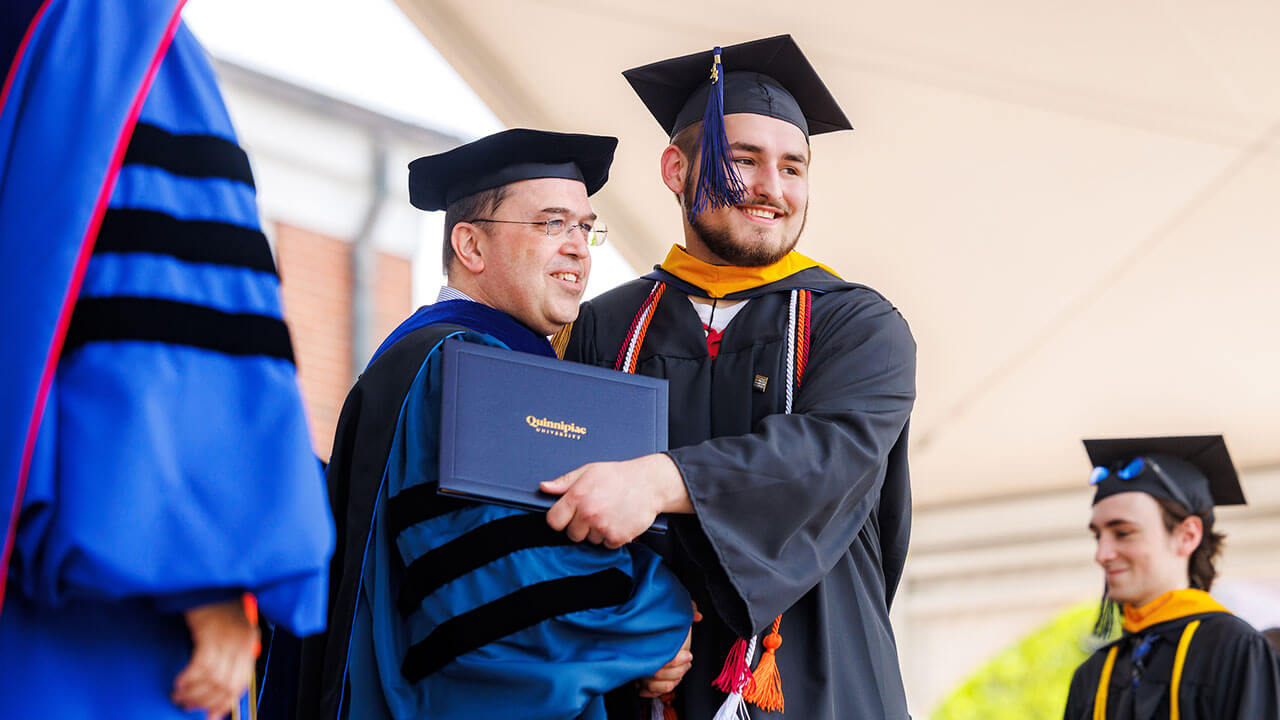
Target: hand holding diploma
[612,503]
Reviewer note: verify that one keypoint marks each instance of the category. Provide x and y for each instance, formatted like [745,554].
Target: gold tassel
[560,341]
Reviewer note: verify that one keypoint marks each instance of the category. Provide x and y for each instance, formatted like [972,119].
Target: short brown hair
[1200,570]
[687,141]
[466,209]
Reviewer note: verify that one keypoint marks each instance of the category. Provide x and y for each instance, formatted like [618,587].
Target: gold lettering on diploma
[557,428]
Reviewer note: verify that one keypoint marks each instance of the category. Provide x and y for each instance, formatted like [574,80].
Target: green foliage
[1028,681]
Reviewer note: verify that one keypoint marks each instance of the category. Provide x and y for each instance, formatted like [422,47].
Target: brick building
[316,281]
[332,192]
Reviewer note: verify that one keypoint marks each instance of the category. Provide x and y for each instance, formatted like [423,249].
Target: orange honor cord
[766,691]
[668,708]
[630,350]
[644,328]
[763,687]
[250,604]
[251,612]
[802,327]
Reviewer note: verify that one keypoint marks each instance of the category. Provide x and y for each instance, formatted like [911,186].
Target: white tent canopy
[1073,204]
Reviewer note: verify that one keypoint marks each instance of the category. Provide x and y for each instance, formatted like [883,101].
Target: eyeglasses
[595,235]
[1133,469]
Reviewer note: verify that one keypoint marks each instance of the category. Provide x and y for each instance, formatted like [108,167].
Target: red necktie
[713,340]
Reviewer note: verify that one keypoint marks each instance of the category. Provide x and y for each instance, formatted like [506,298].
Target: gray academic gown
[806,514]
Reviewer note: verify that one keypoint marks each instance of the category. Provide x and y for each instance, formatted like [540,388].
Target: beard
[750,251]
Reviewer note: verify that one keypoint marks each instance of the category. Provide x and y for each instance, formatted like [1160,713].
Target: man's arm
[776,508]
[598,506]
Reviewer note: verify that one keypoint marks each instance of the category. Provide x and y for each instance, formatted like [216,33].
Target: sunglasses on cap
[1134,468]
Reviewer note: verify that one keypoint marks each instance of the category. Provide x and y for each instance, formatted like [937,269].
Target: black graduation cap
[510,156]
[763,77]
[768,77]
[1197,466]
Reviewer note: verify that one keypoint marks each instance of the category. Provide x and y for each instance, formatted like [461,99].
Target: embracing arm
[776,508]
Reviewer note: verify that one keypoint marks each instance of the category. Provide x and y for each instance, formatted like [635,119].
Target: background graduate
[791,390]
[155,462]
[1181,654]
[444,608]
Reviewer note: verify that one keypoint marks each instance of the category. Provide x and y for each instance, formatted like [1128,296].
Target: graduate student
[1181,654]
[444,608]
[155,462]
[788,467]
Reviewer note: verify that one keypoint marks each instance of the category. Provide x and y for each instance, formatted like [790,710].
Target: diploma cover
[510,420]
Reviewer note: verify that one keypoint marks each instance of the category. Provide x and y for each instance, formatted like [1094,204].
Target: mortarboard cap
[436,181]
[769,77]
[1198,467]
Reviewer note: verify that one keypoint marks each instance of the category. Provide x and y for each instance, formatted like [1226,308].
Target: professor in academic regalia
[446,608]
[789,442]
[1181,654]
[155,462]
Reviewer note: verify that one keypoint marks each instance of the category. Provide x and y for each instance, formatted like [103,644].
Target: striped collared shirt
[448,293]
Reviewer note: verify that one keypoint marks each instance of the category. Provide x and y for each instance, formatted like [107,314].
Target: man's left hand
[611,503]
[668,676]
[224,641]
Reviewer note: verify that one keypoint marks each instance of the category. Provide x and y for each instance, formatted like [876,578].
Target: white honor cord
[734,707]
[791,347]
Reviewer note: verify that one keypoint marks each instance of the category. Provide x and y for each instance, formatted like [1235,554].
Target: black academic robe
[1230,673]
[806,514]
[364,436]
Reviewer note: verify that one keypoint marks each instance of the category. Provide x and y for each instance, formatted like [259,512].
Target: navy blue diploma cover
[510,420]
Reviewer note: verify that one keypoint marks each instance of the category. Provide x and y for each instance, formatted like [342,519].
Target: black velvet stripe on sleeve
[197,156]
[474,550]
[176,323]
[419,504]
[127,230]
[523,608]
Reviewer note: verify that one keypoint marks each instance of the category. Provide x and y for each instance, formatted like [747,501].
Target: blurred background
[1073,204]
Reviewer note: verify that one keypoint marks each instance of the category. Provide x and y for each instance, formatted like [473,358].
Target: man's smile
[761,214]
[570,277]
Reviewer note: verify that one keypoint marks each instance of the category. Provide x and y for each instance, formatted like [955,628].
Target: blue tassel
[718,182]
